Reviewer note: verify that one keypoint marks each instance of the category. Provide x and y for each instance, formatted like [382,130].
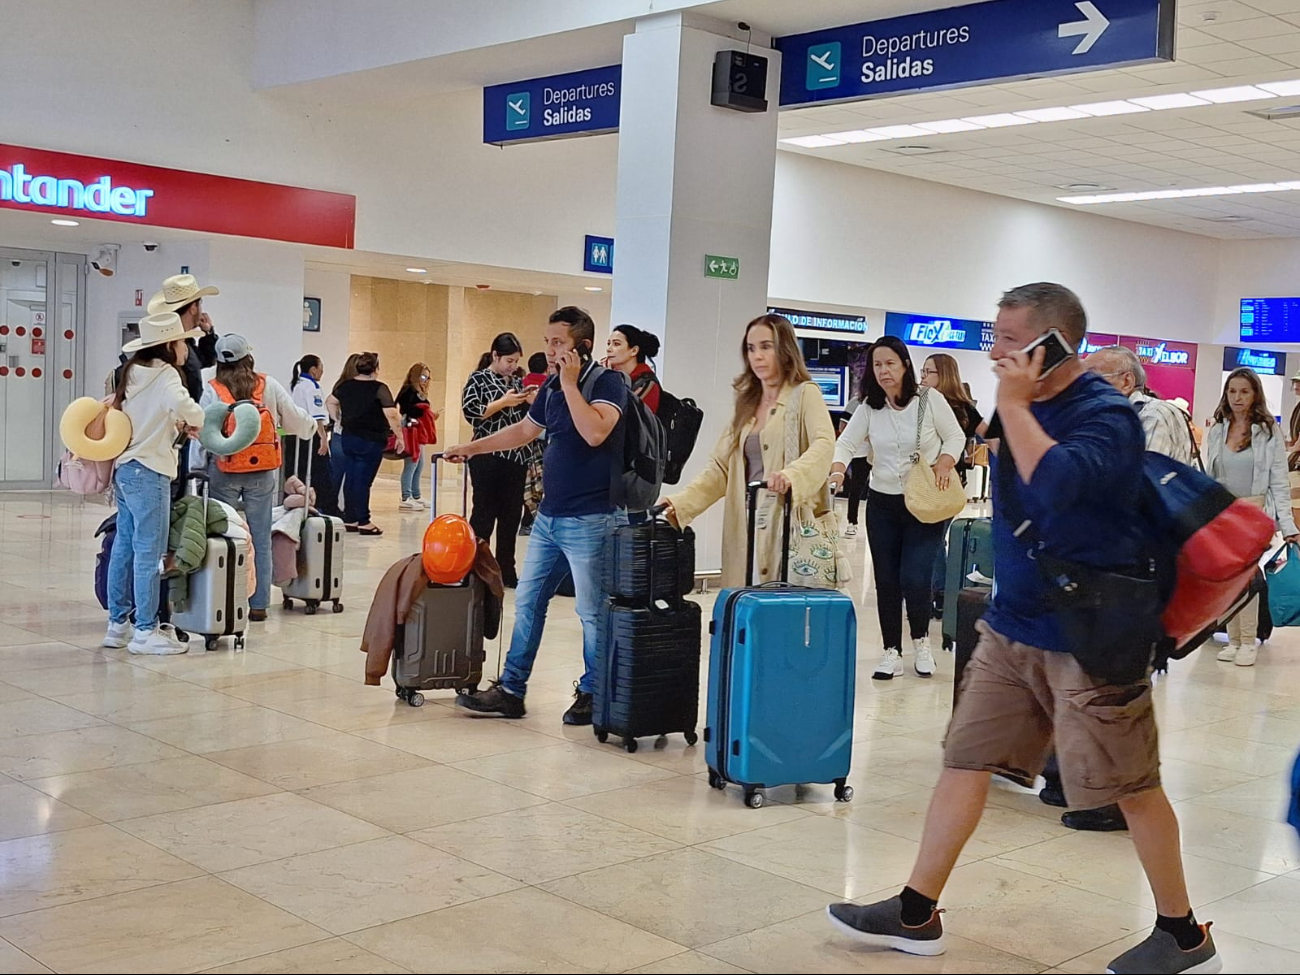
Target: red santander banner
[67,185]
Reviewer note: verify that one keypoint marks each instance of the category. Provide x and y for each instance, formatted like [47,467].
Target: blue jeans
[361,463]
[144,502]
[254,495]
[338,465]
[577,544]
[411,468]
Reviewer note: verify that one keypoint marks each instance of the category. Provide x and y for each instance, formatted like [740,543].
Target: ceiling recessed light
[1051,114]
[914,150]
[1281,87]
[853,135]
[945,126]
[592,287]
[1149,195]
[899,131]
[66,223]
[1102,109]
[418,270]
[813,141]
[1237,93]
[1085,187]
[999,120]
[1159,103]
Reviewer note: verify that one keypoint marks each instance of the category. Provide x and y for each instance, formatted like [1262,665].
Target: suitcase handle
[433,487]
[751,491]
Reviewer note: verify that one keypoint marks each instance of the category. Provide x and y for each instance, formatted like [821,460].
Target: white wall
[334,289]
[261,299]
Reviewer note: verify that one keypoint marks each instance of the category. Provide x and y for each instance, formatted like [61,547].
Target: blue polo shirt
[1083,502]
[576,477]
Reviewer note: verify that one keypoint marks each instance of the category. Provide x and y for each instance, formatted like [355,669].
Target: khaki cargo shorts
[1017,700]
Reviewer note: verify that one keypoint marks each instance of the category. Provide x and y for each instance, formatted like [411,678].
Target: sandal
[372,530]
[352,528]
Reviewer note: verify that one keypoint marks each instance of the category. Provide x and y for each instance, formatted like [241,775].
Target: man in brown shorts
[1071,465]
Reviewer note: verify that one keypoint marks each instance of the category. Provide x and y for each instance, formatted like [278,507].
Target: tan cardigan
[724,477]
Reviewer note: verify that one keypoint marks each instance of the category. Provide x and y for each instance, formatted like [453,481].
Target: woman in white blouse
[902,549]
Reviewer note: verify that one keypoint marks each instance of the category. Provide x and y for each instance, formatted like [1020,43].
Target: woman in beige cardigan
[754,449]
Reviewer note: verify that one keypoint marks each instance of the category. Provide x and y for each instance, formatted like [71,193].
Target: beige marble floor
[267,812]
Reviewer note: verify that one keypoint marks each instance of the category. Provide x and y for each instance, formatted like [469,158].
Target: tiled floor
[267,812]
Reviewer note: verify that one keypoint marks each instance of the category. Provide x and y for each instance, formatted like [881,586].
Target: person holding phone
[903,549]
[1069,468]
[584,453]
[493,400]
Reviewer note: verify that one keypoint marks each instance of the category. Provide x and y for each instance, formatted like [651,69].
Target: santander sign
[97,196]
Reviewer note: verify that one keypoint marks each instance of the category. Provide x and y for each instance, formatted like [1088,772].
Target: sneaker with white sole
[924,664]
[1229,653]
[881,926]
[118,635]
[1159,954]
[409,504]
[850,531]
[1246,655]
[890,666]
[161,642]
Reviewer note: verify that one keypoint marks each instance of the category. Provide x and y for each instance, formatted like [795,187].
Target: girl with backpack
[247,480]
[152,393]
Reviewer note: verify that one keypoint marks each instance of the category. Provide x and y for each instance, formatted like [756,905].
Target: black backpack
[681,420]
[644,450]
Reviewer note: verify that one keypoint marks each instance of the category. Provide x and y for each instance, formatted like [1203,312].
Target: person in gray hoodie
[152,393]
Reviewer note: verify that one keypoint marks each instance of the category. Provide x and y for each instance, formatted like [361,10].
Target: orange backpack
[264,452]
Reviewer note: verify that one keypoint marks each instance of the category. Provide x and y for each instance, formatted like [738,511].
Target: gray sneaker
[882,925]
[1160,955]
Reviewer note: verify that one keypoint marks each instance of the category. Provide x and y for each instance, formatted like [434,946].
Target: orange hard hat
[449,549]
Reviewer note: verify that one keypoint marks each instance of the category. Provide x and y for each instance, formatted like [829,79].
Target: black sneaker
[1107,819]
[495,702]
[1160,955]
[579,712]
[881,925]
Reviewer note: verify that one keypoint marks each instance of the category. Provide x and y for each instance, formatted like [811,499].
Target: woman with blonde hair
[781,435]
[1245,451]
[418,418]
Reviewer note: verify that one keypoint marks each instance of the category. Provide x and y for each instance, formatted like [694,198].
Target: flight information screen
[1270,319]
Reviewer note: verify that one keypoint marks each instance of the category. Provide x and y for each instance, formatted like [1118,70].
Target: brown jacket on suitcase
[397,592]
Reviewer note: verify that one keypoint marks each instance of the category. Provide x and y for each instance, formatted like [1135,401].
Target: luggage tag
[766,511]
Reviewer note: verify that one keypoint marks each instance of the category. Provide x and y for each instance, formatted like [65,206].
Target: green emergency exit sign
[721,267]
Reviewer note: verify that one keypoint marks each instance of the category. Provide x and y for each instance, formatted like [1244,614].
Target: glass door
[42,310]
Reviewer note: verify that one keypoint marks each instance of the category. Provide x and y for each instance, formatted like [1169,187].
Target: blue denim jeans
[144,502]
[361,463]
[254,495]
[411,468]
[577,544]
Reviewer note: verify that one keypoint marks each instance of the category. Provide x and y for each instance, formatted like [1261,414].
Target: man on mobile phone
[577,515]
[1070,466]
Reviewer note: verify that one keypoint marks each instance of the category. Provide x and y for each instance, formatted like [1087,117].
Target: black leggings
[859,478]
[498,504]
[902,555]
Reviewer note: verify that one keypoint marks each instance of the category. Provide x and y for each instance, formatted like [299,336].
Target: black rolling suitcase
[648,668]
[972,604]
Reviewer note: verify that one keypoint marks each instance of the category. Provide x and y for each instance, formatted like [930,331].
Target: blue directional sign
[598,255]
[998,40]
[561,106]
[940,333]
[823,321]
[1265,363]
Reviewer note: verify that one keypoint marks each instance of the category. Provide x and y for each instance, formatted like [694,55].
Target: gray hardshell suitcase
[217,604]
[440,646]
[320,560]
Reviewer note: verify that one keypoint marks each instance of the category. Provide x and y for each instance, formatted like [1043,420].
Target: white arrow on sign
[713,266]
[1090,28]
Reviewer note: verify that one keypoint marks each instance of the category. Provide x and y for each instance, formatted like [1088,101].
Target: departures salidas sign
[556,107]
[979,43]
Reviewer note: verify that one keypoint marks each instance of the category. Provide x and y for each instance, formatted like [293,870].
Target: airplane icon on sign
[823,65]
[824,61]
[518,110]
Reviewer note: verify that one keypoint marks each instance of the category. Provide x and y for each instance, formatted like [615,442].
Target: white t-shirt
[307,396]
[892,436]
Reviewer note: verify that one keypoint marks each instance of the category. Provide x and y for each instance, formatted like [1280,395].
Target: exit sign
[721,267]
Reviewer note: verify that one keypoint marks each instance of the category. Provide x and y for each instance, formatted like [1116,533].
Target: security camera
[105,261]
[150,246]
[16,263]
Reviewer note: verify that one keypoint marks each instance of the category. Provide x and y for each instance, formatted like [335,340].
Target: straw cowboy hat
[177,292]
[159,329]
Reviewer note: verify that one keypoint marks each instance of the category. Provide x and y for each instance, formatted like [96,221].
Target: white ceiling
[1220,43]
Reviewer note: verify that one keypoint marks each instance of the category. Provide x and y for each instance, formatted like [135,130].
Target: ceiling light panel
[1102,109]
[1237,93]
[1061,114]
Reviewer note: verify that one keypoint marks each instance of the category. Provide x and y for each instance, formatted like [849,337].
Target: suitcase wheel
[311,607]
[338,607]
[209,643]
[416,699]
[602,735]
[288,603]
[691,737]
[630,744]
[239,642]
[754,799]
[661,742]
[843,793]
[715,780]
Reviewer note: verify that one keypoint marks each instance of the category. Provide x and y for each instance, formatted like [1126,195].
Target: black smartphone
[1058,350]
[584,351]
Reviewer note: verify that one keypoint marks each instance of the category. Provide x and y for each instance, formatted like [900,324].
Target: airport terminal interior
[413,178]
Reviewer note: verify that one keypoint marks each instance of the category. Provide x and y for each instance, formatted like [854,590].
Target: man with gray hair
[1068,471]
[1164,425]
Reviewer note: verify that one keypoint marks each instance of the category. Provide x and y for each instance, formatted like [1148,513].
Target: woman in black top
[494,399]
[369,416]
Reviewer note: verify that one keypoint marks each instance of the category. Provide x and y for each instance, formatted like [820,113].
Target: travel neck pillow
[92,430]
[248,424]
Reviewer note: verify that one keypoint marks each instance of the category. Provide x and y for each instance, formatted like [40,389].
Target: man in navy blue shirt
[584,456]
[1070,464]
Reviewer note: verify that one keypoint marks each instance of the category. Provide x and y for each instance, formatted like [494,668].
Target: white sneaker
[119,635]
[890,666]
[424,505]
[1229,653]
[410,504]
[161,642]
[1246,655]
[850,531]
[924,664]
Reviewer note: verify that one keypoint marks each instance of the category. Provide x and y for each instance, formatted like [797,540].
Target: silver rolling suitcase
[320,559]
[217,604]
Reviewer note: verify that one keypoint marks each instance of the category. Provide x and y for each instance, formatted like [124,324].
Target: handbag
[1284,587]
[928,503]
[815,557]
